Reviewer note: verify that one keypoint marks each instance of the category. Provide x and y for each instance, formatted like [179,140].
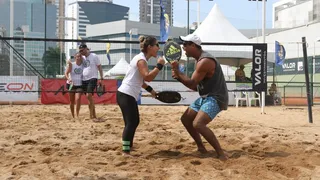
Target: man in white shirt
[91,66]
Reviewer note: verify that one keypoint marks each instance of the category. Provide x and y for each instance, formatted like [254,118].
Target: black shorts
[89,86]
[74,88]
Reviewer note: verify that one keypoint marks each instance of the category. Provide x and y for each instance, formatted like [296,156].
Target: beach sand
[44,142]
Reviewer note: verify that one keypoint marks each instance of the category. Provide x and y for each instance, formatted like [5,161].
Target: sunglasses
[157,45]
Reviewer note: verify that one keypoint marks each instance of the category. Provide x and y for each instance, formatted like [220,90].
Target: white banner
[10,84]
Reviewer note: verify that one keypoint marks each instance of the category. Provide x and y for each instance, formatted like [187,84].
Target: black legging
[130,113]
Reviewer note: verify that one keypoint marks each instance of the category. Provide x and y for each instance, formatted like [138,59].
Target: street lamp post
[188,29]
[62,34]
[11,34]
[61,68]
[45,37]
[263,93]
[198,11]
[263,41]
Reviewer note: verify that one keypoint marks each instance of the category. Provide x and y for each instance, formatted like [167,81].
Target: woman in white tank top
[128,92]
[74,82]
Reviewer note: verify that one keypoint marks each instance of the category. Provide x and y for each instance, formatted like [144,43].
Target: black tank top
[214,86]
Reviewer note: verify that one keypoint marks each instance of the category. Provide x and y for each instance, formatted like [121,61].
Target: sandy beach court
[44,142]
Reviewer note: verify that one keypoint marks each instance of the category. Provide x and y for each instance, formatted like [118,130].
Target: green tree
[51,59]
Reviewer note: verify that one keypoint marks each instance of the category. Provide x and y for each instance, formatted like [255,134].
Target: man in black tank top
[208,80]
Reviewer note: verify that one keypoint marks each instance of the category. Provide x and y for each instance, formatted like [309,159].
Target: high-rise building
[89,13]
[145,11]
[293,13]
[29,13]
[61,18]
[32,51]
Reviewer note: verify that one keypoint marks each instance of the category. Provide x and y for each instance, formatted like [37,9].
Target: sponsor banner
[59,94]
[259,66]
[15,88]
[293,66]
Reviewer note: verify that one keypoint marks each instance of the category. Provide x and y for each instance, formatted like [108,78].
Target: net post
[306,71]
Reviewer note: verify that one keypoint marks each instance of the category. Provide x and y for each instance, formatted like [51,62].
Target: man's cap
[83,46]
[191,38]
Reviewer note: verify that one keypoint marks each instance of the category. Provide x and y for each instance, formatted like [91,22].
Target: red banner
[53,91]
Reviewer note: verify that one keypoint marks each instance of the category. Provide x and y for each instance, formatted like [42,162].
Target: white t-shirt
[90,69]
[76,74]
[133,80]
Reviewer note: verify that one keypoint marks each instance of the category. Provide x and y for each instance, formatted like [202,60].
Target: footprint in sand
[168,153]
[120,163]
[57,118]
[26,142]
[195,162]
[182,140]
[264,136]
[153,143]
[48,151]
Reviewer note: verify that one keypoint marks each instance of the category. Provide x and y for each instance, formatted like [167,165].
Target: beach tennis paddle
[167,96]
[71,85]
[172,51]
[100,90]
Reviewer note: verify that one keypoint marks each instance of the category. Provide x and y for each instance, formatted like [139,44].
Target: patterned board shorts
[209,105]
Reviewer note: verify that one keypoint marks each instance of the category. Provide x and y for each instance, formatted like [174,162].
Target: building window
[315,16]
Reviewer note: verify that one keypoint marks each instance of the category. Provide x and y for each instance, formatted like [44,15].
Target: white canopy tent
[227,70]
[217,29]
[119,69]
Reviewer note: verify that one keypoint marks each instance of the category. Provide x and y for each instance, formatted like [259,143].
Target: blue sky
[241,13]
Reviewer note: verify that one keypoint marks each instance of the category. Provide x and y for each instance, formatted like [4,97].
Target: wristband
[149,88]
[159,66]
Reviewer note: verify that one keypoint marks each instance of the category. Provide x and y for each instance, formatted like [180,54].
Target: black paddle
[167,96]
[100,90]
[172,51]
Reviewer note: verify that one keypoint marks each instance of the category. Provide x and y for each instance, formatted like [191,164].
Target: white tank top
[133,80]
[76,74]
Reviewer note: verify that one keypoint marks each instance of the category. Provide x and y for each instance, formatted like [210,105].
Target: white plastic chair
[241,96]
[254,96]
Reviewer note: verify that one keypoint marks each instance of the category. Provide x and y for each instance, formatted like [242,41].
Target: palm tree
[51,60]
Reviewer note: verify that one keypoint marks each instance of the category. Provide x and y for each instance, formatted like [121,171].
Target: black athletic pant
[130,113]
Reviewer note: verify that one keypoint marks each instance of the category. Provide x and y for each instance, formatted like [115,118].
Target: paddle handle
[146,95]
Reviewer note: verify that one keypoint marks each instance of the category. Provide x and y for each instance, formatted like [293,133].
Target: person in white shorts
[74,83]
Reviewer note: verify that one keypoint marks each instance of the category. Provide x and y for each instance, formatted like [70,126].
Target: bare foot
[202,150]
[223,157]
[98,120]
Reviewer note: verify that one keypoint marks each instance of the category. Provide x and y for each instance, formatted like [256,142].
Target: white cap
[192,38]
